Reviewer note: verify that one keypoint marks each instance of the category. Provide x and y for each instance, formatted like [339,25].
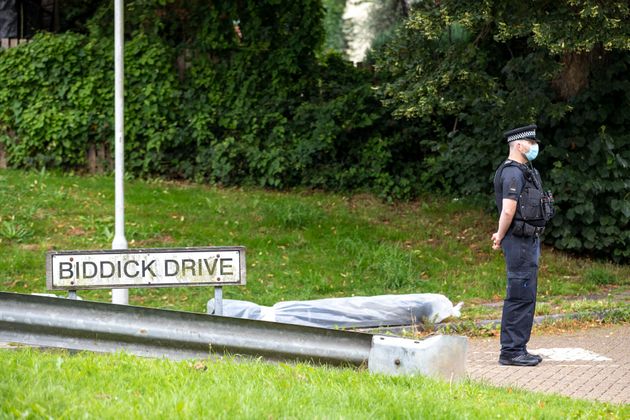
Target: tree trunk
[573,77]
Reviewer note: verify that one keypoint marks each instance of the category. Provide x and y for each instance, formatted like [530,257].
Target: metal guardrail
[104,327]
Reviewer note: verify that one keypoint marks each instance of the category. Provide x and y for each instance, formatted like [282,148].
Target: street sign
[157,267]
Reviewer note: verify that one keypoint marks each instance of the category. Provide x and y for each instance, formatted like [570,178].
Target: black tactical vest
[534,206]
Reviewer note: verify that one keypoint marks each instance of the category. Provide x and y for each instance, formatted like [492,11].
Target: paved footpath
[589,364]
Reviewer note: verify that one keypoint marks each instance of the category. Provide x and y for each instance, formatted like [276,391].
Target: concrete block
[440,356]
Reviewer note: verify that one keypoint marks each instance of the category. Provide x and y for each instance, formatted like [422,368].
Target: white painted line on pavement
[569,354]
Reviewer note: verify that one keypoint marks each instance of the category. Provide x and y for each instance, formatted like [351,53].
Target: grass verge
[301,245]
[57,384]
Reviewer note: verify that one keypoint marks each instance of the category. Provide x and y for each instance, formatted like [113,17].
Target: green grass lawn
[59,385]
[300,245]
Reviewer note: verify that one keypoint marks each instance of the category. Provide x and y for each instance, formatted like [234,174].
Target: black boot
[534,355]
[524,359]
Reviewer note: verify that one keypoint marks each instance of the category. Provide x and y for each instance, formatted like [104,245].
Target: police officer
[524,209]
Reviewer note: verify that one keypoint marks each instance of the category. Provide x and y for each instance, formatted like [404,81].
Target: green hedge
[206,104]
[56,100]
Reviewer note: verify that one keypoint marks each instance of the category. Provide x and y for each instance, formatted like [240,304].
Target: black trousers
[521,260]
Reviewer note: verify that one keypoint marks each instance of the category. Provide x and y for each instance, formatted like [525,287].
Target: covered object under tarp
[348,312]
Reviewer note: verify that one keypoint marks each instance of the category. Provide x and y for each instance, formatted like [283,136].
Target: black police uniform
[521,248]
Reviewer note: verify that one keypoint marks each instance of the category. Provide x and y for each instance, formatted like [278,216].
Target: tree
[470,70]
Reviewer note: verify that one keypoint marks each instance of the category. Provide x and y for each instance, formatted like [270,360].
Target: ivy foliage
[229,92]
[333,25]
[471,70]
[57,96]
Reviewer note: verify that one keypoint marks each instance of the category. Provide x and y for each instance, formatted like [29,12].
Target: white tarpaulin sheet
[348,312]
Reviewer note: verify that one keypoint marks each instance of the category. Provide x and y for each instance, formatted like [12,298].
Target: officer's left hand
[496,241]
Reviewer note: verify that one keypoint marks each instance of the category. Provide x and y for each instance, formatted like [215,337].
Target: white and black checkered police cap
[527,132]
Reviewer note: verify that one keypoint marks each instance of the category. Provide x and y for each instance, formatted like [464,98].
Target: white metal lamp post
[120,296]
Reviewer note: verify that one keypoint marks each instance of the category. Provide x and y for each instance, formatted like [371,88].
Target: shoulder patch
[512,185]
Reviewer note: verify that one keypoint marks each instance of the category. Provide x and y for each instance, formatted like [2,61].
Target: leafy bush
[232,95]
[45,113]
[470,71]
[333,24]
[56,99]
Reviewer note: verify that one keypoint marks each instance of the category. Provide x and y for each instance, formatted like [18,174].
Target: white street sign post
[120,296]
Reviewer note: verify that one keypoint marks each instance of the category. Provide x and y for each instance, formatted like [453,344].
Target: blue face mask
[532,152]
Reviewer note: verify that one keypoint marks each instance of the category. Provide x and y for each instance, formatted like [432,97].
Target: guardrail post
[441,356]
